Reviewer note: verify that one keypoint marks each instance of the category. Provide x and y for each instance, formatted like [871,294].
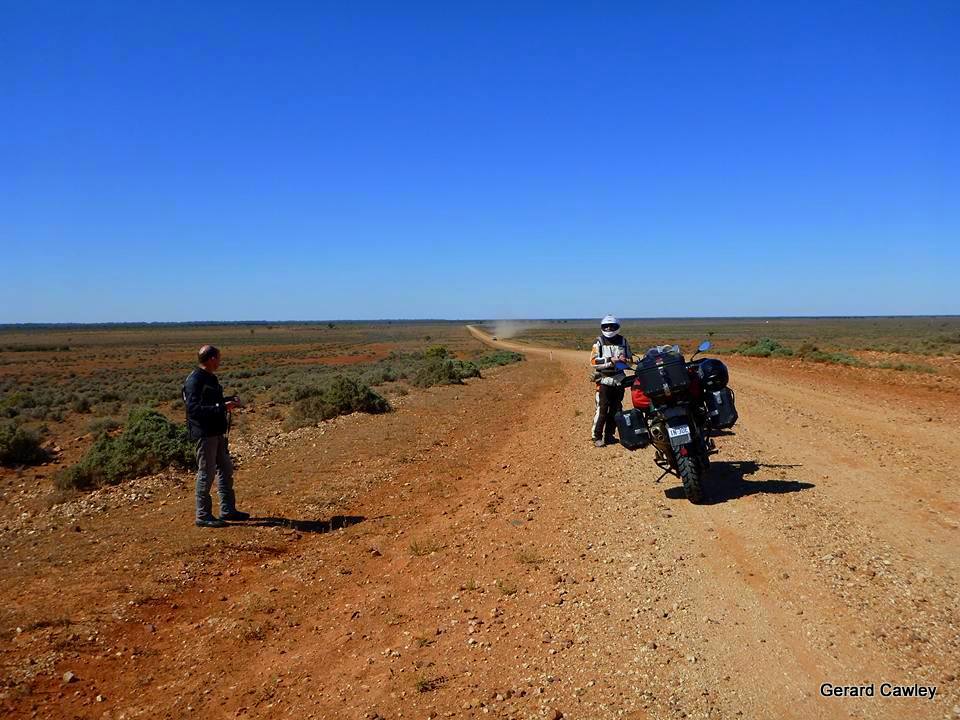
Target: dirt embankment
[494,563]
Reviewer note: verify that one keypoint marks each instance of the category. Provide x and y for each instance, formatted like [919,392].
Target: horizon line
[130,323]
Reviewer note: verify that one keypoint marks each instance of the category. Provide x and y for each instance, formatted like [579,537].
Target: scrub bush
[339,395]
[812,353]
[20,446]
[466,369]
[497,358]
[764,347]
[80,405]
[439,371]
[379,376]
[15,403]
[102,425]
[149,443]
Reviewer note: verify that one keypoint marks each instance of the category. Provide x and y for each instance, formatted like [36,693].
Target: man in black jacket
[207,422]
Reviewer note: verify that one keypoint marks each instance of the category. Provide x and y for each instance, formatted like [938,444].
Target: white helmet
[609,326]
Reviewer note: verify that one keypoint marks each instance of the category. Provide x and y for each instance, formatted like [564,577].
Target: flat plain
[469,553]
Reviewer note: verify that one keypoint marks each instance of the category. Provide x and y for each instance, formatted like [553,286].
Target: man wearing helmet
[609,358]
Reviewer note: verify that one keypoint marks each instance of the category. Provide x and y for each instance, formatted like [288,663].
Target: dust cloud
[504,329]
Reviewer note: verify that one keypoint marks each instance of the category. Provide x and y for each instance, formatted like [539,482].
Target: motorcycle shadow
[727,481]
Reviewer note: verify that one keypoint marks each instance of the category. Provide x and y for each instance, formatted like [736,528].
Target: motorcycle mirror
[704,346]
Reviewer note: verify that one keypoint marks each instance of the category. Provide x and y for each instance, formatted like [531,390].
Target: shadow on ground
[727,481]
[337,522]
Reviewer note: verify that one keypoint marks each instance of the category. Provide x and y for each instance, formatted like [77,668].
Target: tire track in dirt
[793,578]
[508,568]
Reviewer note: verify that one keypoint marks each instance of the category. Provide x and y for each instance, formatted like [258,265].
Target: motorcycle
[678,407]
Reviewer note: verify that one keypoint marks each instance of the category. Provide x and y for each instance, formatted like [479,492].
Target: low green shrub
[41,412]
[466,369]
[837,358]
[149,443]
[102,425]
[811,353]
[764,347]
[438,371]
[379,376]
[80,405]
[339,395]
[20,446]
[433,366]
[806,350]
[107,408]
[498,358]
[15,403]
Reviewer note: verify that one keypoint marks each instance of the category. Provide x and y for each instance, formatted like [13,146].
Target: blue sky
[314,160]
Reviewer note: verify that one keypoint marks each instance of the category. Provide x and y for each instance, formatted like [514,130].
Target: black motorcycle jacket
[206,409]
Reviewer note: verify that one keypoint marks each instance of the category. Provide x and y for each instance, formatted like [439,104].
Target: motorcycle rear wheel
[692,473]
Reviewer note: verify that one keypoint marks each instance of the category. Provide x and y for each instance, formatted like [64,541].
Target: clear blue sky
[313,160]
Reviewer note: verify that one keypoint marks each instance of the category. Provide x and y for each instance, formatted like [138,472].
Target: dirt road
[489,561]
[830,556]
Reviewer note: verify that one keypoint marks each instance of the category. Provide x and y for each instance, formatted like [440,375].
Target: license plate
[679,431]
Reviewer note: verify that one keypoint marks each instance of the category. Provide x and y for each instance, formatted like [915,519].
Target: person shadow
[727,480]
[337,522]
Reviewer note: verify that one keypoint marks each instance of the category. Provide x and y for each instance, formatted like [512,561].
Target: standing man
[609,358]
[207,422]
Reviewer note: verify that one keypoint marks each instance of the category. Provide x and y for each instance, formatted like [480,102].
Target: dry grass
[470,585]
[528,556]
[424,684]
[419,548]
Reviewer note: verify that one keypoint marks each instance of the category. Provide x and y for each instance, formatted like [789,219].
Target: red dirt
[505,567]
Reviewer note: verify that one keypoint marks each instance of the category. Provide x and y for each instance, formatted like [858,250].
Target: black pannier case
[720,405]
[632,429]
[663,375]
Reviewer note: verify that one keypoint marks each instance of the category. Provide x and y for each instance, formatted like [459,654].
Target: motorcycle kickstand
[662,476]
